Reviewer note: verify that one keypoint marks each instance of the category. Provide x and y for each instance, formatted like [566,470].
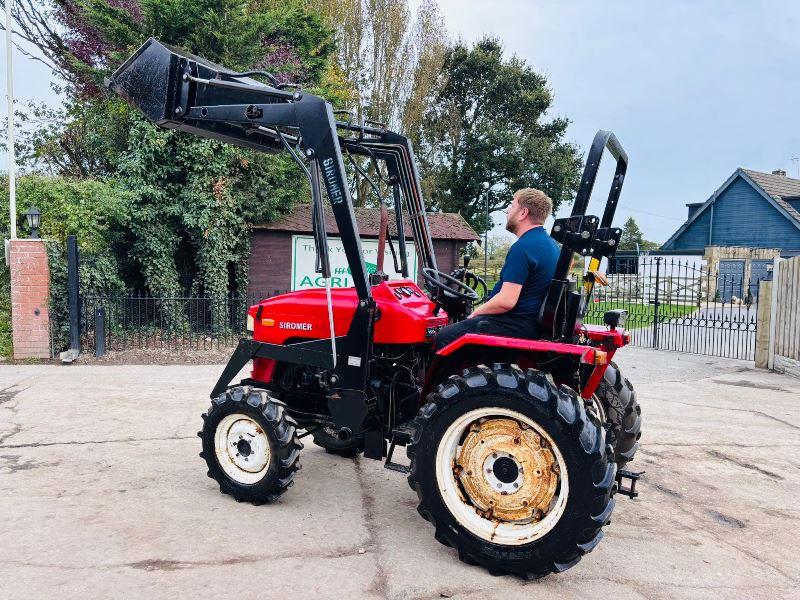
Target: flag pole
[12,161]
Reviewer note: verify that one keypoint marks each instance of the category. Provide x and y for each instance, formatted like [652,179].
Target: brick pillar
[30,289]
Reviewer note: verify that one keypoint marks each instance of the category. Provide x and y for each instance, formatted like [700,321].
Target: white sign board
[304,260]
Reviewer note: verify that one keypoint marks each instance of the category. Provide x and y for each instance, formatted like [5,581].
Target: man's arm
[503,301]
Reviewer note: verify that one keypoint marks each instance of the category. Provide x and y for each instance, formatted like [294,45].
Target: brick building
[275,253]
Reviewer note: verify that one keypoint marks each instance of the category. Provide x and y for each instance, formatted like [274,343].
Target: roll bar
[563,308]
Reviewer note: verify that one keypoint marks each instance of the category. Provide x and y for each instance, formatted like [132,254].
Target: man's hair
[539,204]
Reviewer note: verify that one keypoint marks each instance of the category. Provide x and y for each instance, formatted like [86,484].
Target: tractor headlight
[251,324]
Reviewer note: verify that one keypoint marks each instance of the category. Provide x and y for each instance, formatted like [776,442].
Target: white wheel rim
[242,448]
[461,506]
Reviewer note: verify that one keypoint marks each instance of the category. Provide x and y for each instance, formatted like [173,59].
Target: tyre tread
[285,454]
[623,414]
[562,403]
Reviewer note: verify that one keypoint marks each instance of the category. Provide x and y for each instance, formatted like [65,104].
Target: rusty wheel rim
[502,476]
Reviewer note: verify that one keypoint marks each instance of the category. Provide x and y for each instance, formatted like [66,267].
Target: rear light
[594,357]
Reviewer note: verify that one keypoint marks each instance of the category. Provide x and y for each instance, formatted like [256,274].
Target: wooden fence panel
[787,327]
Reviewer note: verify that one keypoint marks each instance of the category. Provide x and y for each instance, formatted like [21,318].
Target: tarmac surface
[102,495]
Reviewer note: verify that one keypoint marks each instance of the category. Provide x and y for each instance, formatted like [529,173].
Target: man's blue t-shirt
[531,262]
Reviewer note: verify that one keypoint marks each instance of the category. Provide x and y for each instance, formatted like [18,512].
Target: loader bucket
[150,80]
[164,83]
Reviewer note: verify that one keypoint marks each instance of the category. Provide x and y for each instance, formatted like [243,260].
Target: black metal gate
[680,305]
[130,320]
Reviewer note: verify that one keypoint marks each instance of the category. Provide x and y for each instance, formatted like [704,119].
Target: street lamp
[34,217]
[486,185]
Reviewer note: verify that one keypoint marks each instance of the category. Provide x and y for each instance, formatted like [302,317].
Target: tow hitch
[401,436]
[631,477]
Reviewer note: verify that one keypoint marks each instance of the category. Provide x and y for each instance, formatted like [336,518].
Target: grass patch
[639,315]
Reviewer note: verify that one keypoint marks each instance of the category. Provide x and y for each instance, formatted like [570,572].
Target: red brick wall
[30,289]
[270,263]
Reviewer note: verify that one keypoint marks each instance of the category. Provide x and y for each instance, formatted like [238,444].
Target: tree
[498,246]
[190,201]
[633,239]
[485,121]
[390,58]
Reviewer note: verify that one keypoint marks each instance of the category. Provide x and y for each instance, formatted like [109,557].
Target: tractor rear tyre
[327,437]
[511,471]
[250,445]
[622,412]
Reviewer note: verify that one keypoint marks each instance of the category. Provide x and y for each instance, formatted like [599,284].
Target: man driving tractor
[513,306]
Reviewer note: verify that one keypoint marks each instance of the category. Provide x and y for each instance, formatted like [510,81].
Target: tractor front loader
[514,444]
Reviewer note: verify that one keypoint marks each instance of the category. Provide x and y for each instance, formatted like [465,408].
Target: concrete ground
[102,495]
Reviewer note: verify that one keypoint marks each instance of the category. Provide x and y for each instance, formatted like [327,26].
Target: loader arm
[177,90]
[180,91]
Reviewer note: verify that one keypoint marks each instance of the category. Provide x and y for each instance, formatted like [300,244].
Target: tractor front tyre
[622,412]
[250,445]
[328,438]
[511,471]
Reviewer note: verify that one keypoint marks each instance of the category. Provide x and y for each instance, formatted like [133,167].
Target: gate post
[656,303]
[763,324]
[72,288]
[100,332]
[30,296]
[773,310]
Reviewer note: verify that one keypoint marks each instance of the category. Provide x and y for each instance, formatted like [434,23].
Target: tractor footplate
[630,476]
[400,437]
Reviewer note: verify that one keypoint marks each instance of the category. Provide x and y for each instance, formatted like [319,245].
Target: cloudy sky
[693,89]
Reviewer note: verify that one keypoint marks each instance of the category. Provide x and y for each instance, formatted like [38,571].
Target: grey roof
[778,187]
[772,187]
[443,226]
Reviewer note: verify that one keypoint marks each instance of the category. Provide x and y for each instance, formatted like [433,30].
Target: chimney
[779,172]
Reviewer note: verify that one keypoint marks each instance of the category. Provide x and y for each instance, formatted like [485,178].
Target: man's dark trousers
[504,324]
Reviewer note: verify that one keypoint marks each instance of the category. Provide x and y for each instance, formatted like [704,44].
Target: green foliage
[6,347]
[186,204]
[58,305]
[633,239]
[81,139]
[93,210]
[96,211]
[486,123]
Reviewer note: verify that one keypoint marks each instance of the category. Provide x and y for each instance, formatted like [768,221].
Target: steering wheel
[451,287]
[478,284]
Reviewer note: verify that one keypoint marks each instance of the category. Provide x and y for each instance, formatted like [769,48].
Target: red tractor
[516,446]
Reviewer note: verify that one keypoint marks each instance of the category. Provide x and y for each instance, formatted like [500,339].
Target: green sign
[304,260]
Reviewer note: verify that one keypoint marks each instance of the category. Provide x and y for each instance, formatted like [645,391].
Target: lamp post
[34,216]
[486,185]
